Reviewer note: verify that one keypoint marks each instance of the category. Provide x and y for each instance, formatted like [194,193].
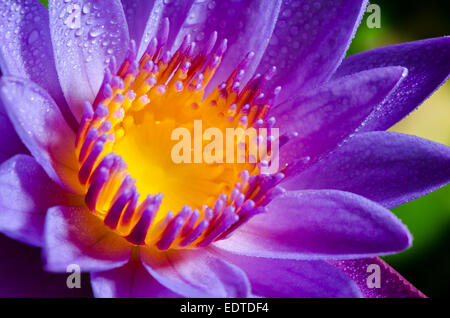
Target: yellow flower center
[125,147]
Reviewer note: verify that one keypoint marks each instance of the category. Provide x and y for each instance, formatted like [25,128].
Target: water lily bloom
[92,90]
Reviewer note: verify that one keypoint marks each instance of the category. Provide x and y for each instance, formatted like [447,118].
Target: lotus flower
[91,91]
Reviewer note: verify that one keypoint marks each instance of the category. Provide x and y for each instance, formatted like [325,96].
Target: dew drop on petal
[96,31]
[34,35]
[73,20]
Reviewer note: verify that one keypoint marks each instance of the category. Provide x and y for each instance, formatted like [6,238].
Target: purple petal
[85,36]
[428,64]
[196,273]
[73,235]
[21,274]
[10,143]
[26,192]
[386,167]
[280,278]
[139,13]
[145,19]
[320,224]
[42,128]
[26,45]
[129,281]
[246,24]
[392,284]
[309,42]
[328,115]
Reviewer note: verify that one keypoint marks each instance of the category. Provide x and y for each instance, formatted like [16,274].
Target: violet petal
[309,42]
[73,235]
[138,14]
[10,143]
[196,273]
[42,128]
[386,167]
[130,280]
[281,278]
[392,284]
[320,224]
[26,192]
[428,64]
[328,115]
[146,18]
[85,36]
[246,24]
[26,46]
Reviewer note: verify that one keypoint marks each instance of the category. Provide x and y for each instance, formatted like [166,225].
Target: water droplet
[196,16]
[87,8]
[34,35]
[294,30]
[200,36]
[95,32]
[211,5]
[73,21]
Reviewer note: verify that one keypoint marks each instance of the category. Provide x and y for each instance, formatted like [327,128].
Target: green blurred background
[427,263]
